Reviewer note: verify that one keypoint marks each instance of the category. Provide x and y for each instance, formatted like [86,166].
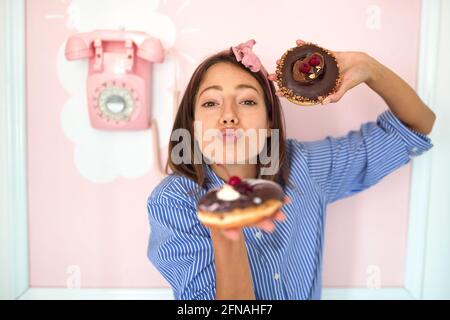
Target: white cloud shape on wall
[102,156]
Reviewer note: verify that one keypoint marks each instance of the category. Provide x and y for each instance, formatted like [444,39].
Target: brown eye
[249,102]
[208,104]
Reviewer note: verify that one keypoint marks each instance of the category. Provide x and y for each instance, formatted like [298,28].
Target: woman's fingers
[266,224]
[280,216]
[272,77]
[344,87]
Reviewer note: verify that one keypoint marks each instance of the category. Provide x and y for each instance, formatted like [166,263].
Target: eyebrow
[239,86]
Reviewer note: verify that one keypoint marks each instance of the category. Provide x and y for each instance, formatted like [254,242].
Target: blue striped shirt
[285,264]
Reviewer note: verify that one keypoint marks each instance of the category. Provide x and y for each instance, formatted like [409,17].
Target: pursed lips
[229,134]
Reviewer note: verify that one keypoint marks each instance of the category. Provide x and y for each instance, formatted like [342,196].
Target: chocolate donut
[240,203]
[308,74]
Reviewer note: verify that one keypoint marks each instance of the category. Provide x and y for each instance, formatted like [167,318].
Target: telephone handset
[119,77]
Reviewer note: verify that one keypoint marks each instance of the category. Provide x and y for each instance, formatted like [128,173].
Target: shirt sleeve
[349,164]
[181,249]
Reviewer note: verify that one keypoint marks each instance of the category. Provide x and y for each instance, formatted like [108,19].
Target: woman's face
[231,123]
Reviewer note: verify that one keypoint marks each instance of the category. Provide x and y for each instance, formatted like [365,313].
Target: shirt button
[276,276]
[258,234]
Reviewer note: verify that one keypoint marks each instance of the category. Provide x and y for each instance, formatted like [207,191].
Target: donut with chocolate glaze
[240,203]
[307,74]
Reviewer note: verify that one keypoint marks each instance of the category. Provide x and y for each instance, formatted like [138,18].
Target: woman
[279,258]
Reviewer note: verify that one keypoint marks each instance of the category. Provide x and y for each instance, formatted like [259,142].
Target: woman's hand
[355,68]
[266,224]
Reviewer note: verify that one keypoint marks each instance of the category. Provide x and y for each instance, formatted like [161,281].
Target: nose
[228,117]
[227,121]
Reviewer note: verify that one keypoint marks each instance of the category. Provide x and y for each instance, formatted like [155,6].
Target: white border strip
[166,294]
[97,294]
[421,166]
[14,282]
[13,170]
[436,275]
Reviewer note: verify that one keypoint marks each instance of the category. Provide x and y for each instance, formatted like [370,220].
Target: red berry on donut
[243,188]
[234,180]
[305,68]
[314,61]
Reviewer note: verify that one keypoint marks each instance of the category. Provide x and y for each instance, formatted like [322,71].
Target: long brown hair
[185,119]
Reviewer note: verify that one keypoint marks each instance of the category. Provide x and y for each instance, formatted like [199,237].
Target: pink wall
[87,200]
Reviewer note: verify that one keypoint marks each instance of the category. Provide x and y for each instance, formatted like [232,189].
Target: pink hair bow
[246,56]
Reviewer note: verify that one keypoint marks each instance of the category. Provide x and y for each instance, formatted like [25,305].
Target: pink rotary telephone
[118,83]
